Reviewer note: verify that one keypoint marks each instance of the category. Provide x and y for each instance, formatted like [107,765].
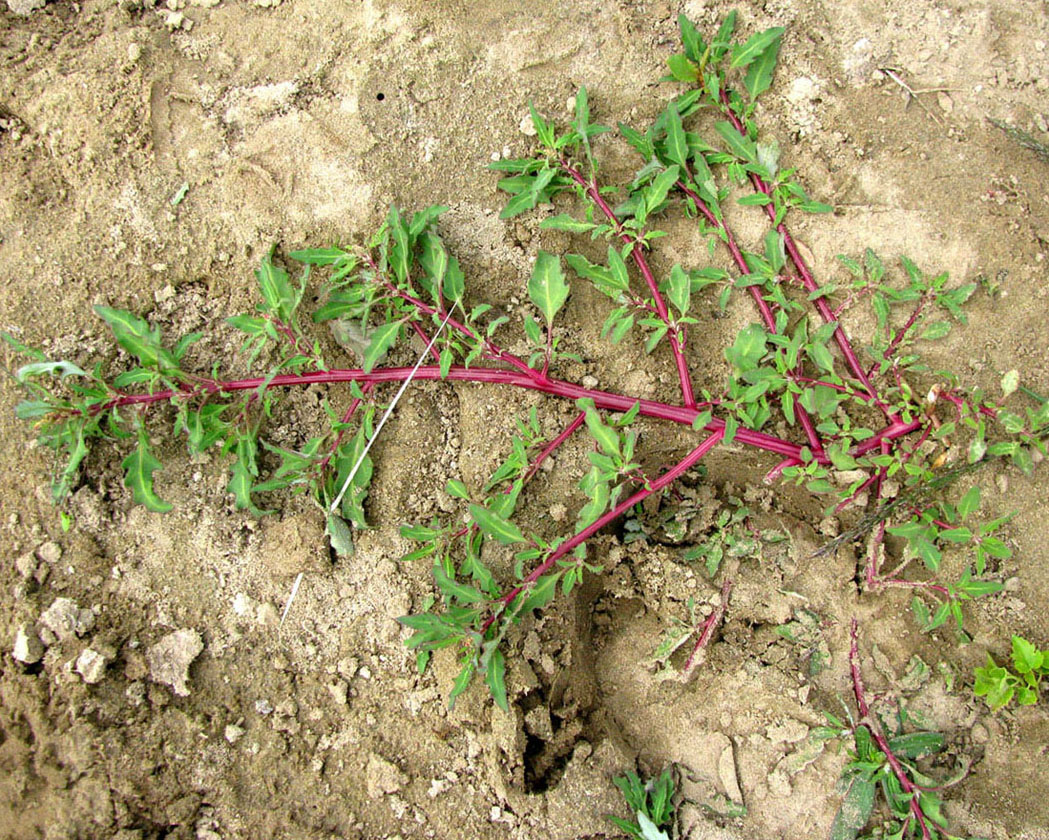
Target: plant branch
[582,536]
[879,736]
[638,255]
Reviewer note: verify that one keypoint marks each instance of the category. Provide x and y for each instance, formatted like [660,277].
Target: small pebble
[28,649]
[527,126]
[233,733]
[91,665]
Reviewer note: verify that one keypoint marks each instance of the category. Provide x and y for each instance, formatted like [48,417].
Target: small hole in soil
[380,96]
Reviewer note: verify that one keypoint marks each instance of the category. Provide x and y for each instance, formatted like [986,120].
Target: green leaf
[748,349]
[495,676]
[1010,382]
[677,144]
[1026,657]
[758,199]
[956,535]
[277,292]
[855,810]
[134,335]
[340,537]
[502,530]
[543,129]
[723,39]
[243,474]
[916,744]
[139,467]
[740,146]
[453,589]
[567,223]
[690,38]
[62,369]
[680,289]
[606,437]
[322,256]
[382,338]
[759,73]
[969,502]
[434,259]
[756,45]
[682,69]
[461,683]
[656,192]
[616,265]
[547,287]
[400,255]
[540,593]
[935,330]
[457,489]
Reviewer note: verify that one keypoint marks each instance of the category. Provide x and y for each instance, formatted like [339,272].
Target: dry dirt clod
[170,658]
[25,7]
[383,777]
[27,649]
[60,620]
[91,665]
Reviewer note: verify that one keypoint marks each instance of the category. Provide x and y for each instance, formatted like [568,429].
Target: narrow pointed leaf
[495,526]
[743,55]
[547,287]
[742,147]
[677,145]
[496,678]
[139,467]
[382,339]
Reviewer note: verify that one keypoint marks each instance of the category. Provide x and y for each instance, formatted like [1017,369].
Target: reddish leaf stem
[807,279]
[763,307]
[711,623]
[582,536]
[879,737]
[675,335]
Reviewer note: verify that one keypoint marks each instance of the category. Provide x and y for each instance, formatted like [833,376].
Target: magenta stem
[807,279]
[713,620]
[879,737]
[548,450]
[804,420]
[582,536]
[638,256]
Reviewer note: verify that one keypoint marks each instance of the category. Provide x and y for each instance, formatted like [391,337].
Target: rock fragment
[91,665]
[60,621]
[170,658]
[25,7]
[383,777]
[28,649]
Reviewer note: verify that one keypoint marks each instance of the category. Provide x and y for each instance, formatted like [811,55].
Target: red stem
[638,256]
[555,387]
[580,537]
[879,737]
[898,338]
[713,620]
[763,307]
[548,450]
[807,279]
[602,399]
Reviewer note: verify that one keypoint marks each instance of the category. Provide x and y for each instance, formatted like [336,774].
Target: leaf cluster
[999,686]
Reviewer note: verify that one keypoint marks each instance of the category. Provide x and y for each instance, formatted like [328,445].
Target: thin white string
[404,385]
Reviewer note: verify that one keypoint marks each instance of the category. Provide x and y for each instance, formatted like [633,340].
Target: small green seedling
[999,686]
[651,803]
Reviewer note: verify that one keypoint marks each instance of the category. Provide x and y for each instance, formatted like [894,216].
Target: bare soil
[298,123]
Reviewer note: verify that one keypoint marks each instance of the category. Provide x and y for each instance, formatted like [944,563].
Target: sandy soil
[298,123]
